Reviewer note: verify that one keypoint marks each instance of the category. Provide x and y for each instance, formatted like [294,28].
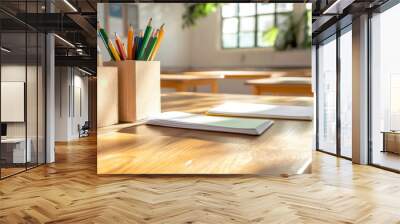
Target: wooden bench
[182,83]
[286,86]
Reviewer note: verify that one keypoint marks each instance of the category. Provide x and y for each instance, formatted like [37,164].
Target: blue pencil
[139,45]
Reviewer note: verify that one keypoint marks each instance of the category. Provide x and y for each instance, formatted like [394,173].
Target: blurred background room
[224,48]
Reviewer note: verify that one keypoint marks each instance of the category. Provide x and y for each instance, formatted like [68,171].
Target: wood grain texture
[284,149]
[70,191]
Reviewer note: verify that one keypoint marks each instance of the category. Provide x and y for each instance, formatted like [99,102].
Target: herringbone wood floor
[69,191]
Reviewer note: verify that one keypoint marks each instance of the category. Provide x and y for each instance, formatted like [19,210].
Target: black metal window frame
[275,14]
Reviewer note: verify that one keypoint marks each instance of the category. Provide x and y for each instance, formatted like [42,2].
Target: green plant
[307,39]
[194,11]
[287,34]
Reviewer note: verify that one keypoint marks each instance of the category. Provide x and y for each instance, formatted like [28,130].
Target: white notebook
[262,111]
[210,123]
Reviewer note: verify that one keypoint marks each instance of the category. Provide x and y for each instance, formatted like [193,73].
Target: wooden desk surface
[139,149]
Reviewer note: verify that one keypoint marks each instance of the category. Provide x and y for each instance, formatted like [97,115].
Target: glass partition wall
[385,89]
[22,77]
[334,75]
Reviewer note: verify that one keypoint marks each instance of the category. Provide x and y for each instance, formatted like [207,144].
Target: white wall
[175,50]
[66,119]
[61,103]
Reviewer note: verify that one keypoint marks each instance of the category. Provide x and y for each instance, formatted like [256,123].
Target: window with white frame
[244,24]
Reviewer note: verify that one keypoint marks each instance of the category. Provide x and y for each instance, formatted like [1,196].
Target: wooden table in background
[256,74]
[285,148]
[182,83]
[282,86]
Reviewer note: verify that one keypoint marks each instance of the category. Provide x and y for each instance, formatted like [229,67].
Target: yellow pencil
[159,39]
[130,42]
[113,50]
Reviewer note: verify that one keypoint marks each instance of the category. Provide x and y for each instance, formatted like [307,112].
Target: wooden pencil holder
[139,92]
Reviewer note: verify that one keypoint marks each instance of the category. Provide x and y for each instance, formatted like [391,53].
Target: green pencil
[104,37]
[145,40]
[151,46]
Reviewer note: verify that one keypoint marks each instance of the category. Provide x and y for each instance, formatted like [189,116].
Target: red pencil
[120,46]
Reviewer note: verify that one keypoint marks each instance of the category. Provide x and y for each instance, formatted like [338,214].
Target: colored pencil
[145,40]
[140,40]
[113,50]
[159,39]
[143,46]
[121,47]
[151,46]
[103,35]
[130,42]
[134,47]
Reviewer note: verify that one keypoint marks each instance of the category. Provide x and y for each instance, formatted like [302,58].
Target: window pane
[281,19]
[247,23]
[229,40]
[247,9]
[246,39]
[309,6]
[230,25]
[284,7]
[115,20]
[261,42]
[327,97]
[265,22]
[263,8]
[346,94]
[229,10]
